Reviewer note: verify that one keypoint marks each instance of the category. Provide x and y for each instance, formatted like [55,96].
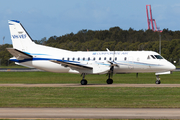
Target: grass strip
[48,77]
[37,97]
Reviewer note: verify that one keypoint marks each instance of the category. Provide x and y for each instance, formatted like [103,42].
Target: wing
[19,54]
[70,64]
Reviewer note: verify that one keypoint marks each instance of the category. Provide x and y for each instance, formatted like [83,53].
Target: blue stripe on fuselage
[118,62]
[35,59]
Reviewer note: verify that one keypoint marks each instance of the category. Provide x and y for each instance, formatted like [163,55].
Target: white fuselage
[126,61]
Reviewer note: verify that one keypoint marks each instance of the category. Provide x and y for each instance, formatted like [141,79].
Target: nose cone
[171,67]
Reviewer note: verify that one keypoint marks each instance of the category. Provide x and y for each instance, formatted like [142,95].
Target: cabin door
[130,62]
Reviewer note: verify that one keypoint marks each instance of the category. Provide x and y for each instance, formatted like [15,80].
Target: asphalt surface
[103,113]
[122,113]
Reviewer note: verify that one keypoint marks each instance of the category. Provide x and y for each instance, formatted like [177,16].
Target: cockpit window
[158,57]
[153,56]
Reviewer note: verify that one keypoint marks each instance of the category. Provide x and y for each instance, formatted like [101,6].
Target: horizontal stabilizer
[19,54]
[69,64]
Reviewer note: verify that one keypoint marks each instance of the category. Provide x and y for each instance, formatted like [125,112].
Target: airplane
[28,53]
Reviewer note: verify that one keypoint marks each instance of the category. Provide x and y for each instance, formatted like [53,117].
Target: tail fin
[20,38]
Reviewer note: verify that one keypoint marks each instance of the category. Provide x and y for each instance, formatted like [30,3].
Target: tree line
[114,39]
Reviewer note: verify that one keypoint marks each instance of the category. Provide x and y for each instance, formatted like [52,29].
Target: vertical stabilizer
[20,38]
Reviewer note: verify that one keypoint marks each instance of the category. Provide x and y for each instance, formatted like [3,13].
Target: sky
[46,18]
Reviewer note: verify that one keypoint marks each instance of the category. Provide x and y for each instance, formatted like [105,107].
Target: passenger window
[73,59]
[62,59]
[99,58]
[104,58]
[115,58]
[125,58]
[78,59]
[94,58]
[83,58]
[88,58]
[110,58]
[68,59]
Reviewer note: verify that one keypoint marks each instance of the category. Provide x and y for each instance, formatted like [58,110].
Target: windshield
[158,56]
[153,57]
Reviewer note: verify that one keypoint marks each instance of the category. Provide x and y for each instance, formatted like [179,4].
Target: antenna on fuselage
[107,49]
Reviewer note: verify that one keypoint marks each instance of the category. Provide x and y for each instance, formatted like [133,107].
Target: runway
[101,113]
[122,113]
[89,85]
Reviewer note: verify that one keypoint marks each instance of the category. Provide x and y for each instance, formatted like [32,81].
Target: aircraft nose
[172,67]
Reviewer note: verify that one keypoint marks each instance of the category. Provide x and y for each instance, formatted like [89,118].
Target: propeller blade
[113,63]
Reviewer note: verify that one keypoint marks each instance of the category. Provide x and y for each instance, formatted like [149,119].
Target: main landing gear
[83,81]
[158,79]
[109,80]
[110,73]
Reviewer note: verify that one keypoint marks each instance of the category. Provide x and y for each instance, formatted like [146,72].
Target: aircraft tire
[83,82]
[109,81]
[158,82]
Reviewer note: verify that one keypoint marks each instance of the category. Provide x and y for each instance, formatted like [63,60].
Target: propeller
[113,63]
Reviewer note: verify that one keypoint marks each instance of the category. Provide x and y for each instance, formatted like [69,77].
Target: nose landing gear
[158,80]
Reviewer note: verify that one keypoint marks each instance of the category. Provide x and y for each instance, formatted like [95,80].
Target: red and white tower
[150,20]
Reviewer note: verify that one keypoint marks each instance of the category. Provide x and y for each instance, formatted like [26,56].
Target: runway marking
[122,113]
[89,85]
